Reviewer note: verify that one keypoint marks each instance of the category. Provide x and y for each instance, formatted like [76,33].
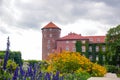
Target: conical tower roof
[51,25]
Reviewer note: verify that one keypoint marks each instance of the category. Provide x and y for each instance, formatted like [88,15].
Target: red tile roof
[72,36]
[92,39]
[96,39]
[50,25]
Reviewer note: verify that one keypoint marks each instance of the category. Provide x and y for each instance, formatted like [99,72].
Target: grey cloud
[33,13]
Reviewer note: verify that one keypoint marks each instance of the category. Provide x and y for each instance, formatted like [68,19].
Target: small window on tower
[50,29]
[48,41]
[48,46]
[50,35]
[67,41]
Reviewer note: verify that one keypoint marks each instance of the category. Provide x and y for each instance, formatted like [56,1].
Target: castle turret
[50,33]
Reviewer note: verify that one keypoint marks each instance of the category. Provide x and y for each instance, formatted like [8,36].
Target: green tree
[113,44]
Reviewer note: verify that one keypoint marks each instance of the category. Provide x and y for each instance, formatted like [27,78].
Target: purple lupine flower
[15,74]
[6,54]
[39,75]
[56,76]
[47,76]
[22,72]
[30,73]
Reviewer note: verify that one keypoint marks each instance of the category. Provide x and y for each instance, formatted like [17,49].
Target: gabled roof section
[96,39]
[51,25]
[72,36]
[92,39]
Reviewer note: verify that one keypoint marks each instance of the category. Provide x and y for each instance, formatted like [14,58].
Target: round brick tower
[50,33]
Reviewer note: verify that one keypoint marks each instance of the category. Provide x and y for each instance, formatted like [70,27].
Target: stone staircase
[108,76]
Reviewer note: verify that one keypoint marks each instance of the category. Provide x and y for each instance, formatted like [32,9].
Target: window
[73,41]
[50,29]
[50,35]
[83,49]
[83,42]
[91,57]
[98,39]
[97,48]
[67,48]
[48,46]
[74,49]
[97,58]
[67,42]
[91,39]
[48,41]
[44,35]
[90,48]
[103,48]
[44,30]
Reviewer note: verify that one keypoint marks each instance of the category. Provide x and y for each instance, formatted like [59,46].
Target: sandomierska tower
[50,33]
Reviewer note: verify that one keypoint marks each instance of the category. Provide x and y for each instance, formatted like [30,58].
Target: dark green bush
[112,68]
[77,76]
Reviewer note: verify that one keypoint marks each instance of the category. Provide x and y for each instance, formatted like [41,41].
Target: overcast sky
[22,21]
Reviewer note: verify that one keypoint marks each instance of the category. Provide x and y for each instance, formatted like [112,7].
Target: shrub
[112,68]
[72,62]
[11,66]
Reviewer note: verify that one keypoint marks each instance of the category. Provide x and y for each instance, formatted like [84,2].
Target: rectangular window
[48,46]
[90,48]
[98,39]
[97,48]
[67,48]
[73,41]
[83,49]
[74,49]
[48,41]
[97,58]
[83,41]
[90,57]
[67,42]
[103,48]
[50,35]
[91,39]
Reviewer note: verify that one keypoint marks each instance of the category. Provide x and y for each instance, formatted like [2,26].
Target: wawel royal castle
[52,42]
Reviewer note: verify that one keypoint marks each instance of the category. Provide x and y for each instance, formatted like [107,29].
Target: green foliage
[43,65]
[32,62]
[113,44]
[77,76]
[112,68]
[78,46]
[16,57]
[2,54]
[11,66]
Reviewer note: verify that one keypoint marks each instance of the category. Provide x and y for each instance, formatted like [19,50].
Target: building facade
[52,42]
